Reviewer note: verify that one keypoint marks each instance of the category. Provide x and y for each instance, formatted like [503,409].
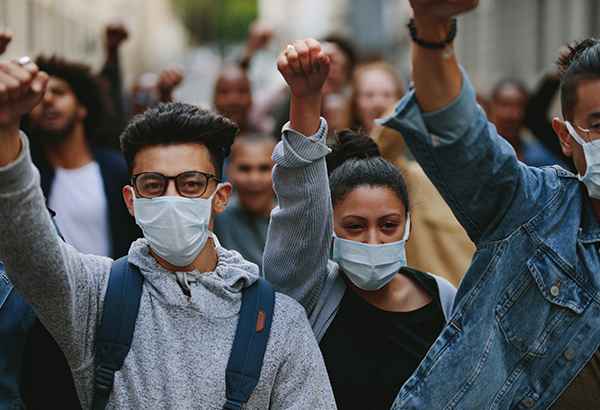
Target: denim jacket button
[554,291]
[528,402]
[569,354]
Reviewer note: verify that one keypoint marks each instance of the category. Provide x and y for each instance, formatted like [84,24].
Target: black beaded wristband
[427,44]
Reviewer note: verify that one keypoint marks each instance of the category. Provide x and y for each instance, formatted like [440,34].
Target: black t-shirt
[370,353]
[584,391]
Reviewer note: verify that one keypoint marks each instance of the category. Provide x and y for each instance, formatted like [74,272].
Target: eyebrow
[594,115]
[379,219]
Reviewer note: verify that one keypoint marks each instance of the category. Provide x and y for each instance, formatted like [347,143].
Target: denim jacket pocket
[536,309]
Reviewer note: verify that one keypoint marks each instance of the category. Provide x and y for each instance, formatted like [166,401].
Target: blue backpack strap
[250,343]
[121,305]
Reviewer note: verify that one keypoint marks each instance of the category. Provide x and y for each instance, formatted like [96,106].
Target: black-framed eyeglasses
[190,184]
[592,133]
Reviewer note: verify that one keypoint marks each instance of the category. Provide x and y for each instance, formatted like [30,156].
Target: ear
[222,198]
[563,136]
[82,112]
[128,196]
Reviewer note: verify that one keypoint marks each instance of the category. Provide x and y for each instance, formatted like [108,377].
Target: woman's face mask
[369,266]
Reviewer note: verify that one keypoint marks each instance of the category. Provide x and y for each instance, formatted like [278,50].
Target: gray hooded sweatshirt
[180,348]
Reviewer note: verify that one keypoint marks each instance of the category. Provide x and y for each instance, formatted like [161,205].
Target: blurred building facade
[74,29]
[521,38]
[500,38]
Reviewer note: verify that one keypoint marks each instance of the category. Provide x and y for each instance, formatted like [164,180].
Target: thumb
[39,83]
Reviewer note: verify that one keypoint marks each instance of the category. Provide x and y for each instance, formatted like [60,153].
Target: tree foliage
[221,21]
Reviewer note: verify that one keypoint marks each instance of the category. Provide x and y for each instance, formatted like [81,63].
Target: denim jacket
[16,319]
[526,316]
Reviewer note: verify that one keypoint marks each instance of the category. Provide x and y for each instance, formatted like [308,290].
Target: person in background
[148,89]
[536,116]
[243,226]
[375,88]
[151,88]
[115,35]
[232,96]
[374,318]
[81,182]
[334,108]
[259,37]
[508,101]
[523,332]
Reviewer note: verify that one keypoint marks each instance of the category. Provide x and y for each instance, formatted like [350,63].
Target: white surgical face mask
[591,177]
[175,226]
[368,266]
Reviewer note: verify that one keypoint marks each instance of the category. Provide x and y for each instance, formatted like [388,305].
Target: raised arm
[60,284]
[297,249]
[473,168]
[21,88]
[436,74]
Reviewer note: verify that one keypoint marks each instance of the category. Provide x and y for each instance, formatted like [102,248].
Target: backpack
[121,305]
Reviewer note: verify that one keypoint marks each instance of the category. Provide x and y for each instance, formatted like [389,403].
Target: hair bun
[348,145]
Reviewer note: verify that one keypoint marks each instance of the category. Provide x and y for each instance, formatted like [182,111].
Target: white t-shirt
[77,196]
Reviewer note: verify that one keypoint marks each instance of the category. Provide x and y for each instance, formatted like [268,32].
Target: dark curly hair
[90,89]
[355,161]
[175,123]
[579,62]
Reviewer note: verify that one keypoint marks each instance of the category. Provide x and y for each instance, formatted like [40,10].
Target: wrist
[432,30]
[307,99]
[434,35]
[11,145]
[305,113]
[112,56]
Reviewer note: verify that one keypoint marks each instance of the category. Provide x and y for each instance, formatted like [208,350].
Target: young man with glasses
[192,287]
[524,330]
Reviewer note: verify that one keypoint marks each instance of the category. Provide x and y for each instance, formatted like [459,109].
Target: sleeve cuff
[21,169]
[296,150]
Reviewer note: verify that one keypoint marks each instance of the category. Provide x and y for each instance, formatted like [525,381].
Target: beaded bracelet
[426,44]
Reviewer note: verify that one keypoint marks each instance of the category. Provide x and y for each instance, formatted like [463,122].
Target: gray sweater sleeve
[300,231]
[60,284]
[302,381]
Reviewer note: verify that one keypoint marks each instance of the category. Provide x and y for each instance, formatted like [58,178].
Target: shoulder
[433,283]
[289,315]
[287,307]
[108,154]
[111,162]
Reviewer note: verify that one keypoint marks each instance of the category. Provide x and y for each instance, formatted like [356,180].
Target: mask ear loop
[211,233]
[219,185]
[574,134]
[407,227]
